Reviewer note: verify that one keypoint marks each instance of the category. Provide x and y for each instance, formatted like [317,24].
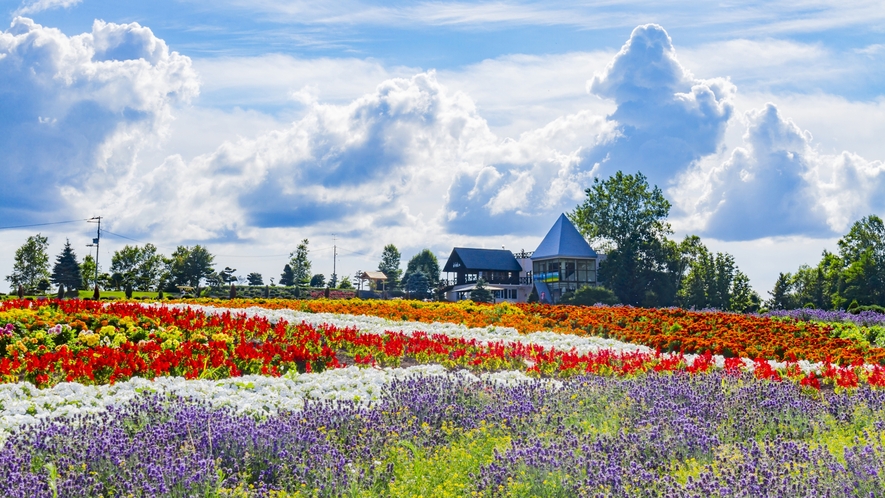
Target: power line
[122,236]
[41,224]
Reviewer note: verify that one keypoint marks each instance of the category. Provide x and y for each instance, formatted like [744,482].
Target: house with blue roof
[564,261]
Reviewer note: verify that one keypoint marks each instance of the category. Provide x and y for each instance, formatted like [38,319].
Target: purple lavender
[864,318]
[655,435]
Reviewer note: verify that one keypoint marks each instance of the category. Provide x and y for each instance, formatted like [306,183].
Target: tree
[345,283]
[256,278]
[88,272]
[66,272]
[333,281]
[480,293]
[140,266]
[390,265]
[227,275]
[287,278]
[588,296]
[31,264]
[318,280]
[418,284]
[300,264]
[627,219]
[781,298]
[426,262]
[862,251]
[713,280]
[190,266]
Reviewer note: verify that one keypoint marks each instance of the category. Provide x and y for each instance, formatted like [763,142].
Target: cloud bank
[75,111]
[412,155]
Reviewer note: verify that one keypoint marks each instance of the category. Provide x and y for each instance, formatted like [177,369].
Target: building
[563,262]
[507,277]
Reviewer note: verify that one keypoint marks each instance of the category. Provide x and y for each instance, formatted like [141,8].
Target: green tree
[426,262]
[713,280]
[141,266]
[66,271]
[418,284]
[781,295]
[88,272]
[31,264]
[318,280]
[227,275]
[627,220]
[190,266]
[300,264]
[345,283]
[390,265]
[588,296]
[287,278]
[255,278]
[481,293]
[862,251]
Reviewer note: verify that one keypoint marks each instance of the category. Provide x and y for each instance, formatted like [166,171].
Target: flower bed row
[104,343]
[667,329]
[656,435]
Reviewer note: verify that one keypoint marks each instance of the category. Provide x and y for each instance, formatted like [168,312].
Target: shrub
[590,295]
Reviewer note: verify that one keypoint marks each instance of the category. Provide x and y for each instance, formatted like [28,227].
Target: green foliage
[318,280]
[390,265]
[345,283]
[256,278]
[88,271]
[418,284]
[533,296]
[66,272]
[31,264]
[714,280]
[590,295]
[855,275]
[287,278]
[426,262]
[481,294]
[300,264]
[190,266]
[627,219]
[142,266]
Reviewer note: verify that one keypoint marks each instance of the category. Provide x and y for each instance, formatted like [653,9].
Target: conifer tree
[66,271]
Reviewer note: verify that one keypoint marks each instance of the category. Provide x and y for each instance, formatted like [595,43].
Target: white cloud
[76,110]
[778,184]
[35,6]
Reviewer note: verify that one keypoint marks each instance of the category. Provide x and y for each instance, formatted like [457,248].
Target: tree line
[627,220]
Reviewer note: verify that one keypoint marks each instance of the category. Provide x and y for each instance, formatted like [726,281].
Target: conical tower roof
[563,240]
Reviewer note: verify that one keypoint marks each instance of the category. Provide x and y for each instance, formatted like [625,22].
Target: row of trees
[421,276]
[855,276]
[627,220]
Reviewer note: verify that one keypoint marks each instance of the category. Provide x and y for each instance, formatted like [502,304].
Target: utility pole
[95,242]
[334,261]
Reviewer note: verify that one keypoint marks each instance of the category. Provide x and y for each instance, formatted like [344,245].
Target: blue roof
[563,240]
[482,259]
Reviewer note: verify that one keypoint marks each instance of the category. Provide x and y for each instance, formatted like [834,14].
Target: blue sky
[247,126]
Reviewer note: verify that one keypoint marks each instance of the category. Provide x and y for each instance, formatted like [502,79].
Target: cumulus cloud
[75,111]
[667,118]
[779,184]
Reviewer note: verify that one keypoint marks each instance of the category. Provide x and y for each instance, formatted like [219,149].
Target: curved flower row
[257,395]
[666,329]
[213,343]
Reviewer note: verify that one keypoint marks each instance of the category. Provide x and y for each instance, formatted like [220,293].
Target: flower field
[400,398]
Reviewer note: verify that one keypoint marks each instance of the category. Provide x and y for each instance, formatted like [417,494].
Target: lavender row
[864,318]
[657,435]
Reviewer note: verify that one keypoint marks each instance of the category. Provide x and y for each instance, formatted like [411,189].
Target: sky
[247,126]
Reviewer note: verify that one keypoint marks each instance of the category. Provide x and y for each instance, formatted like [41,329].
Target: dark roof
[563,240]
[482,259]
